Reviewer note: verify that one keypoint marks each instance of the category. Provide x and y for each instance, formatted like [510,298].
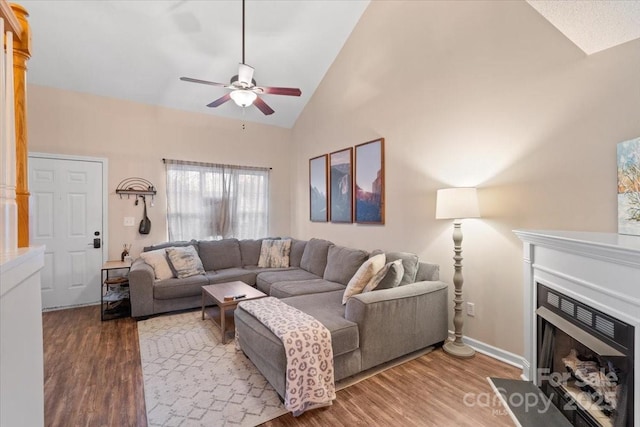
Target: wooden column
[21,54]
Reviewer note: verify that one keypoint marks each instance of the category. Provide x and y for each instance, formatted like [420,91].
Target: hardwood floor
[93,378]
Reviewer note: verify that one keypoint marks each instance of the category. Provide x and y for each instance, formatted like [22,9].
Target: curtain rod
[186,162]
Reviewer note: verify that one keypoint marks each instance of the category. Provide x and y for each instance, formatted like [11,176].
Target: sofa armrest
[397,321]
[141,278]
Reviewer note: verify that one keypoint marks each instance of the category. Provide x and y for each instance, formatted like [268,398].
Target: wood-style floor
[93,378]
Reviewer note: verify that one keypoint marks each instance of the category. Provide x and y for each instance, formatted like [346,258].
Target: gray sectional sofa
[370,329]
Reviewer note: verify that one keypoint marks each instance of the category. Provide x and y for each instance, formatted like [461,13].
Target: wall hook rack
[138,187]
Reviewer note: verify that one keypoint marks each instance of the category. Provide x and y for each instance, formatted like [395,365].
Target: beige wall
[473,93]
[465,93]
[135,137]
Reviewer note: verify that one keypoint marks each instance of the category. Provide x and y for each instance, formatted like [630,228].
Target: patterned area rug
[192,379]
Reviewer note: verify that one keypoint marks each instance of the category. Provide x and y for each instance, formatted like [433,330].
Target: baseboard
[494,352]
[44,310]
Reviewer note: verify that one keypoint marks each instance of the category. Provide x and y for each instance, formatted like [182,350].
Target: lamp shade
[243,98]
[457,203]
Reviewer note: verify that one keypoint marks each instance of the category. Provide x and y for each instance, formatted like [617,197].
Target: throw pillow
[410,264]
[389,276]
[394,276]
[157,259]
[274,253]
[185,261]
[359,280]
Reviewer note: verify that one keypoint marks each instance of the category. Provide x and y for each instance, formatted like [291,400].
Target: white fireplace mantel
[600,269]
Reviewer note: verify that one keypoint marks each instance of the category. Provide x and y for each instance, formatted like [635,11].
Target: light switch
[129,221]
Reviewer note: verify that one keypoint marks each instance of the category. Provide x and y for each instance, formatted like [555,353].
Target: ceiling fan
[244,91]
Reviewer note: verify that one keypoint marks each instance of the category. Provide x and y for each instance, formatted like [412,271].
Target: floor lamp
[457,204]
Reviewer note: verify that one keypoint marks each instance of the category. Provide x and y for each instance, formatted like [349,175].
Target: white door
[66,213]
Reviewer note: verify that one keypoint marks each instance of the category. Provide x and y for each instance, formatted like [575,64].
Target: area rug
[192,379]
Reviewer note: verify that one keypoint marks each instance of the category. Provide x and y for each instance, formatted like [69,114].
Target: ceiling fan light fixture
[243,98]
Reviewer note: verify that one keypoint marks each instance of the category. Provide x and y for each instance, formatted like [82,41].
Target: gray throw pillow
[185,261]
[343,263]
[314,257]
[410,264]
[393,275]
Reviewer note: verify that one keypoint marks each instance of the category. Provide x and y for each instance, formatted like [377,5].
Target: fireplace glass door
[585,361]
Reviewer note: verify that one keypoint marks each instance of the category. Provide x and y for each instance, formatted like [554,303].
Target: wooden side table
[217,293]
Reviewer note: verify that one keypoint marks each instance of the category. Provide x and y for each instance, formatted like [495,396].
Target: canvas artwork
[629,187]
[369,188]
[318,189]
[341,179]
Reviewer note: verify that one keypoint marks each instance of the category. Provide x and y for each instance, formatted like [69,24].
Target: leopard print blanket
[307,344]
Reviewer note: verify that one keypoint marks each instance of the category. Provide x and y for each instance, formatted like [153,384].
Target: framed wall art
[318,184]
[628,155]
[369,182]
[341,185]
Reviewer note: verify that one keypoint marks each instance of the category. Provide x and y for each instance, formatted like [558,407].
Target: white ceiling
[593,25]
[137,50]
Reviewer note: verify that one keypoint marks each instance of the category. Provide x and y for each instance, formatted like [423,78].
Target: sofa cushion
[388,277]
[314,257]
[179,288]
[327,308]
[185,261]
[343,263]
[157,259]
[410,264]
[231,275]
[303,287]
[363,276]
[267,278]
[297,249]
[181,243]
[250,251]
[274,253]
[219,254]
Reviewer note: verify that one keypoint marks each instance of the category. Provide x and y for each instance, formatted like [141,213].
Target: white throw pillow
[366,271]
[275,253]
[158,261]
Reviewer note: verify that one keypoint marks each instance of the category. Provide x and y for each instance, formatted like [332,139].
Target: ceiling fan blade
[245,74]
[289,91]
[204,82]
[220,101]
[262,106]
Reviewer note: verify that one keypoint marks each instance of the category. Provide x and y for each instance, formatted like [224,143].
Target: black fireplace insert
[585,361]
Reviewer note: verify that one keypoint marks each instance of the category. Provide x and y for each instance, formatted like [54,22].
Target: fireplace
[585,361]
[582,324]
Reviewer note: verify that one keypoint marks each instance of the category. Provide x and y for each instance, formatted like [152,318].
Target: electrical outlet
[129,221]
[471,309]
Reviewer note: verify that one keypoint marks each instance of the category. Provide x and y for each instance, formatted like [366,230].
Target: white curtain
[211,201]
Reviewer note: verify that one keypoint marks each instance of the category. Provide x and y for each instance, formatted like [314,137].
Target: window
[210,201]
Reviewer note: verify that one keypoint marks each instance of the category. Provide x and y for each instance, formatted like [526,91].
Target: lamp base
[460,350]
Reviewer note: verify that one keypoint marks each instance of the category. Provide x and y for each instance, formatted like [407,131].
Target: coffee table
[217,293]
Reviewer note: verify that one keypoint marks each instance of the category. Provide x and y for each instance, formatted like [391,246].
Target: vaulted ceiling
[137,50]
